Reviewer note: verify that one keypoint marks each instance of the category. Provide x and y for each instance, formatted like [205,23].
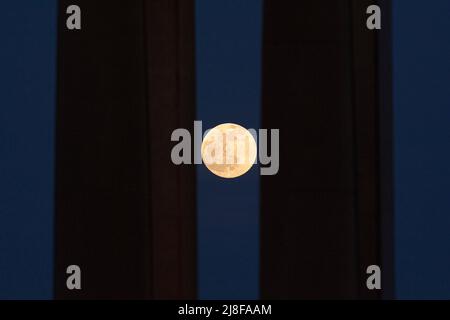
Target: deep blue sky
[27,107]
[229,36]
[422,147]
[228,47]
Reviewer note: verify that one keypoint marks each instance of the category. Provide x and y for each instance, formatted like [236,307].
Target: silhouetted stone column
[321,215]
[124,213]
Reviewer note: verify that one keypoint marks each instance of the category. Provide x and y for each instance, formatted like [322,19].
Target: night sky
[228,90]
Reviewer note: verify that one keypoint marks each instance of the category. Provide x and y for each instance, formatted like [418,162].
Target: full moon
[229,150]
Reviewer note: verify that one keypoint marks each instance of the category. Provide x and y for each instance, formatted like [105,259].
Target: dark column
[386,151]
[171,98]
[320,224]
[124,212]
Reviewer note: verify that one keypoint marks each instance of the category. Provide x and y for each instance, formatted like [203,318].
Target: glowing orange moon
[229,150]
